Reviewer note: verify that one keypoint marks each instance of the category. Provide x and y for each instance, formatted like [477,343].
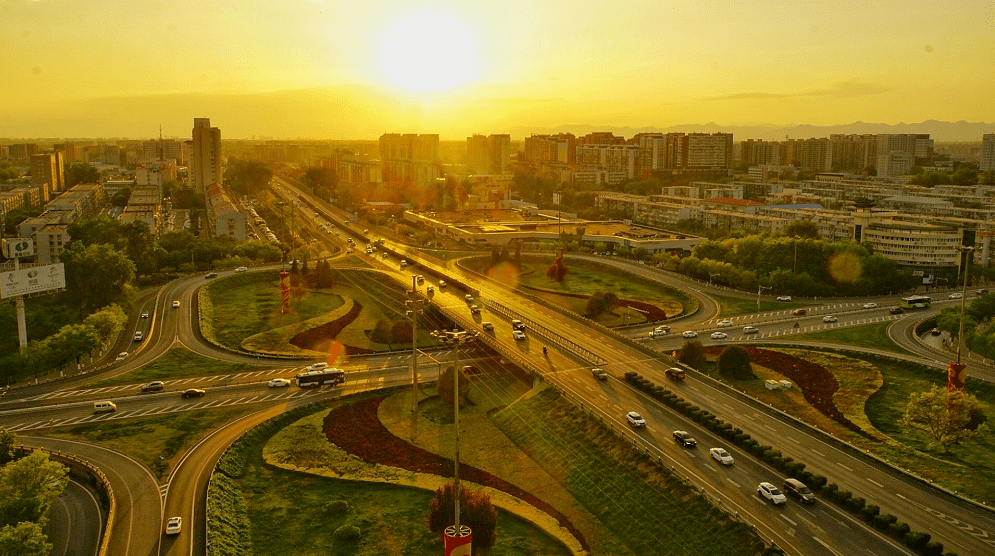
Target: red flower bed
[356,429]
[817,384]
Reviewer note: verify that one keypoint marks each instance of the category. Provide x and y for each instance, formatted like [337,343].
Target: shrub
[629,375]
[856,504]
[734,364]
[817,481]
[337,507]
[870,512]
[899,530]
[883,521]
[347,533]
[476,511]
[842,497]
[933,548]
[916,540]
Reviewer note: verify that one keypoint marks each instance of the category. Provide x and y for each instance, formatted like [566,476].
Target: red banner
[956,376]
[285,292]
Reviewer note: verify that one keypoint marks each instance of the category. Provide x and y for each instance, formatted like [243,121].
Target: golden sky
[356,69]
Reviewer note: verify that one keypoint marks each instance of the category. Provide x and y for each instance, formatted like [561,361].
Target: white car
[176,304]
[870,305]
[750,330]
[662,328]
[241,269]
[468,298]
[278,383]
[955,295]
[518,334]
[430,289]
[442,283]
[784,298]
[173,525]
[487,325]
[145,315]
[317,366]
[635,419]
[721,455]
[657,333]
[122,356]
[828,318]
[719,335]
[724,323]
[689,334]
[771,493]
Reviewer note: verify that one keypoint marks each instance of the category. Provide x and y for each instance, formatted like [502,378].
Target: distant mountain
[940,131]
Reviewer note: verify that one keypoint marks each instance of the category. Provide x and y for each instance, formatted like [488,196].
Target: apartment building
[223,216]
[987,152]
[550,149]
[206,156]
[488,155]
[48,173]
[410,158]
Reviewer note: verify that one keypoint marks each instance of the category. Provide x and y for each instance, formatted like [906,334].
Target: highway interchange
[142,502]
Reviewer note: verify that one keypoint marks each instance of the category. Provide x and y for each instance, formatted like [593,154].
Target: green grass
[392,518]
[157,442]
[732,306]
[969,467]
[873,336]
[178,362]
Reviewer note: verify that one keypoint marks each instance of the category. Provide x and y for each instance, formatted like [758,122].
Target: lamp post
[963,296]
[710,276]
[415,309]
[760,289]
[456,533]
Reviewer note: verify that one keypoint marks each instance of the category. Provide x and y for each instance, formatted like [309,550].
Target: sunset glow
[427,52]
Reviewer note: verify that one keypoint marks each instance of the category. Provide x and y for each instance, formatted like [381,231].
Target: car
[663,328]
[404,263]
[210,275]
[799,312]
[784,298]
[241,269]
[797,489]
[721,455]
[104,407]
[139,335]
[724,323]
[936,332]
[122,356]
[517,324]
[176,304]
[657,333]
[468,298]
[771,493]
[828,318]
[518,335]
[635,419]
[674,373]
[719,335]
[685,439]
[278,382]
[420,279]
[870,305]
[193,393]
[317,366]
[955,295]
[430,289]
[689,334]
[173,525]
[896,311]
[383,255]
[474,309]
[750,330]
[154,386]
[982,291]
[599,373]
[442,284]
[145,315]
[487,325]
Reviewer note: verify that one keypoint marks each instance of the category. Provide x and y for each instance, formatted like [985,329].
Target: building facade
[206,156]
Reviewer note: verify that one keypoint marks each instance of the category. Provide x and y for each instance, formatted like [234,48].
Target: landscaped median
[918,541]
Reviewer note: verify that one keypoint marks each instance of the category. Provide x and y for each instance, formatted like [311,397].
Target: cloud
[843,89]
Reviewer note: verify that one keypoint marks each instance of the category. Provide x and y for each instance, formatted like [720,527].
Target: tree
[558,270]
[802,228]
[988,177]
[28,487]
[600,303]
[476,512]
[17,216]
[247,177]
[24,539]
[692,354]
[445,386]
[120,198]
[734,364]
[8,439]
[107,322]
[948,417]
[401,332]
[381,332]
[81,172]
[97,275]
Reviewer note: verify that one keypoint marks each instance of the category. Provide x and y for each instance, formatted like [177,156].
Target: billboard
[32,280]
[18,247]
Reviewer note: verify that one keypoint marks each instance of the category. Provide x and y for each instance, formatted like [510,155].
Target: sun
[428,52]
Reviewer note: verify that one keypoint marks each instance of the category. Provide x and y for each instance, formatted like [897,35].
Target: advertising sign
[18,247]
[32,280]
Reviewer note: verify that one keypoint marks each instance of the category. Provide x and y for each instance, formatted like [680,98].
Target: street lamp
[710,276]
[456,338]
[416,309]
[760,289]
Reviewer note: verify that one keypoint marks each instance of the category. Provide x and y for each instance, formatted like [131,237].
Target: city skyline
[311,68]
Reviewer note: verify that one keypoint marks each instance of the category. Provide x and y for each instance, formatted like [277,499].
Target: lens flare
[844,267]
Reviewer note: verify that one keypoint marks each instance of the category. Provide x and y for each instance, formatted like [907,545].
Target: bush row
[916,540]
[228,528]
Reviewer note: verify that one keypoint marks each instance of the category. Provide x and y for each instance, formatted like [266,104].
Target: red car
[798,312]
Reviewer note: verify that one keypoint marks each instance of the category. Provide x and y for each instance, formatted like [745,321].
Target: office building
[206,156]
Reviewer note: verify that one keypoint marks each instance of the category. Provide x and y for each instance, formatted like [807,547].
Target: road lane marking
[873,482]
[844,467]
[734,482]
[818,453]
[785,518]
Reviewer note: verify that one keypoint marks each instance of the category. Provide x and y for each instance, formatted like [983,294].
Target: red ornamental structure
[285,292]
[956,375]
[458,544]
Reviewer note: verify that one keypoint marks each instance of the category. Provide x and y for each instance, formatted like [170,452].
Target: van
[104,407]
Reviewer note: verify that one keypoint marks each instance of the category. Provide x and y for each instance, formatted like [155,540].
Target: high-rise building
[206,156]
[550,149]
[488,155]
[47,171]
[987,152]
[410,158]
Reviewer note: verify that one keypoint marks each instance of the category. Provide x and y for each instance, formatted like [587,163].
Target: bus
[319,378]
[915,302]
